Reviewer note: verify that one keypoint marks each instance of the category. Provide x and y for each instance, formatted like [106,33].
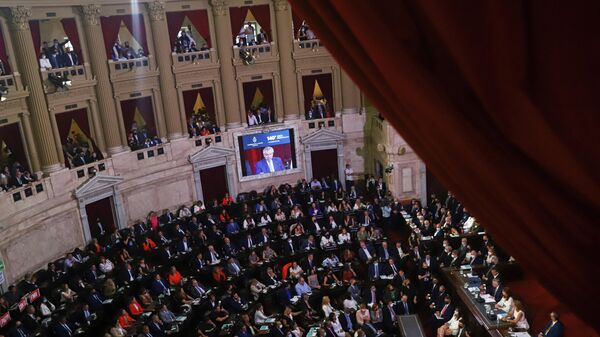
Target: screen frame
[266,129]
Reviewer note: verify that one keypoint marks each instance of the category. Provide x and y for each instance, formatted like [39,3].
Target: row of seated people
[57,55]
[247,36]
[78,153]
[485,261]
[140,138]
[260,115]
[92,277]
[186,43]
[199,124]
[14,176]
[305,33]
[120,52]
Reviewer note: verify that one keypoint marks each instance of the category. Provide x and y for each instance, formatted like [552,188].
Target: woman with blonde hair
[326,306]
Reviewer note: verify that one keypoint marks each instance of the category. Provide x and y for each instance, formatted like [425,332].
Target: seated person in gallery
[269,163]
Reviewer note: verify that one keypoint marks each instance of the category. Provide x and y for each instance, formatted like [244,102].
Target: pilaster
[285,34]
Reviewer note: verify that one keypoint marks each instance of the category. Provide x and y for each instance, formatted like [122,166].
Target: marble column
[27,61]
[350,94]
[30,143]
[233,115]
[106,102]
[160,35]
[285,42]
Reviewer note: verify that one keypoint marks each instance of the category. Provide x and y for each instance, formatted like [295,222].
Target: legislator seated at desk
[554,328]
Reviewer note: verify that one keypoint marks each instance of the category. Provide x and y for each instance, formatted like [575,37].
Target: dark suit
[263,167]
[287,249]
[69,61]
[63,330]
[156,329]
[127,275]
[556,330]
[407,309]
[347,322]
[389,317]
[363,256]
[496,292]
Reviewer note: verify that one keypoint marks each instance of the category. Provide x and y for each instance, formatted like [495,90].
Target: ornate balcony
[132,69]
[78,75]
[184,62]
[261,53]
[309,48]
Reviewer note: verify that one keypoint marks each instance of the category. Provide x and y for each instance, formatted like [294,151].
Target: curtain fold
[325,83]
[237,15]
[110,31]
[174,23]
[70,27]
[34,26]
[324,163]
[199,19]
[3,54]
[214,183]
[262,13]
[135,24]
[297,22]
[510,92]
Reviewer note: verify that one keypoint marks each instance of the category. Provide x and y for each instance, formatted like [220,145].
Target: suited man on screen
[269,163]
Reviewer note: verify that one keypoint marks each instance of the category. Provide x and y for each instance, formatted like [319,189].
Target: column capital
[281,5]
[156,10]
[91,14]
[219,7]
[19,17]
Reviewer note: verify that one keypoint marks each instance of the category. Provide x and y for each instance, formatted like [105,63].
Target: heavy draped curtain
[189,99]
[63,122]
[262,14]
[214,183]
[199,19]
[34,26]
[10,134]
[500,99]
[70,27]
[112,24]
[3,54]
[144,106]
[325,83]
[324,163]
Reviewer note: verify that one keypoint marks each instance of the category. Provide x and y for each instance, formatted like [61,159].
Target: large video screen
[262,153]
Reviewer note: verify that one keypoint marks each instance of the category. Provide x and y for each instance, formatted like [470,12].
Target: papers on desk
[426,238]
[108,301]
[180,318]
[488,298]
[501,314]
[270,320]
[519,334]
[465,267]
[294,299]
[264,328]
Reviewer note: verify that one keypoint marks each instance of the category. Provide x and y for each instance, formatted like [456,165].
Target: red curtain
[214,183]
[510,91]
[110,31]
[199,19]
[325,83]
[70,28]
[266,88]
[262,14]
[174,23]
[101,209]
[3,55]
[297,21]
[144,106]
[34,26]
[135,24]
[324,163]
[189,99]
[10,134]
[112,24]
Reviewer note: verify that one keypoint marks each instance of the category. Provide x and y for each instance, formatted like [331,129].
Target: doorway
[101,210]
[324,163]
[214,183]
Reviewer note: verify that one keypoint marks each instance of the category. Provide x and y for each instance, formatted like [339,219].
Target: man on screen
[269,163]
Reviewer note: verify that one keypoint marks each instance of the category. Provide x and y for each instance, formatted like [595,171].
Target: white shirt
[343,238]
[106,267]
[349,173]
[252,120]
[505,305]
[327,242]
[45,64]
[271,167]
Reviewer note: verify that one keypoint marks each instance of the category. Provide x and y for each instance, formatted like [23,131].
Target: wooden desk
[456,283]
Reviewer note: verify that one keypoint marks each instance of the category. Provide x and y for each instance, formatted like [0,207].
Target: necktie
[548,330]
[130,275]
[376,270]
[394,269]
[21,333]
[87,314]
[349,320]
[444,310]
[406,312]
[249,242]
[271,168]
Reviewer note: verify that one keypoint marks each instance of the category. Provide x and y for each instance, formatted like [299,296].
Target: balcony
[89,170]
[24,197]
[309,48]
[261,53]
[132,162]
[12,82]
[78,75]
[132,69]
[322,123]
[184,62]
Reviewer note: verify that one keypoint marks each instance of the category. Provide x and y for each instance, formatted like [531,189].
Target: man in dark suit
[496,290]
[371,295]
[95,300]
[285,294]
[375,270]
[127,275]
[159,287]
[83,316]
[196,290]
[69,58]
[348,321]
[389,317]
[31,322]
[309,263]
[384,251]
[289,247]
[554,328]
[63,328]
[229,249]
[366,253]
[405,307]
[443,313]
[156,327]
[269,163]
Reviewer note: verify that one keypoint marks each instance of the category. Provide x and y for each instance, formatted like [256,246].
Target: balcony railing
[77,74]
[204,58]
[12,82]
[89,170]
[204,141]
[308,48]
[24,196]
[130,68]
[262,52]
[315,124]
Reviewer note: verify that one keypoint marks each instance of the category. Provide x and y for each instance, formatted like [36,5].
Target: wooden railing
[309,48]
[330,122]
[89,170]
[260,52]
